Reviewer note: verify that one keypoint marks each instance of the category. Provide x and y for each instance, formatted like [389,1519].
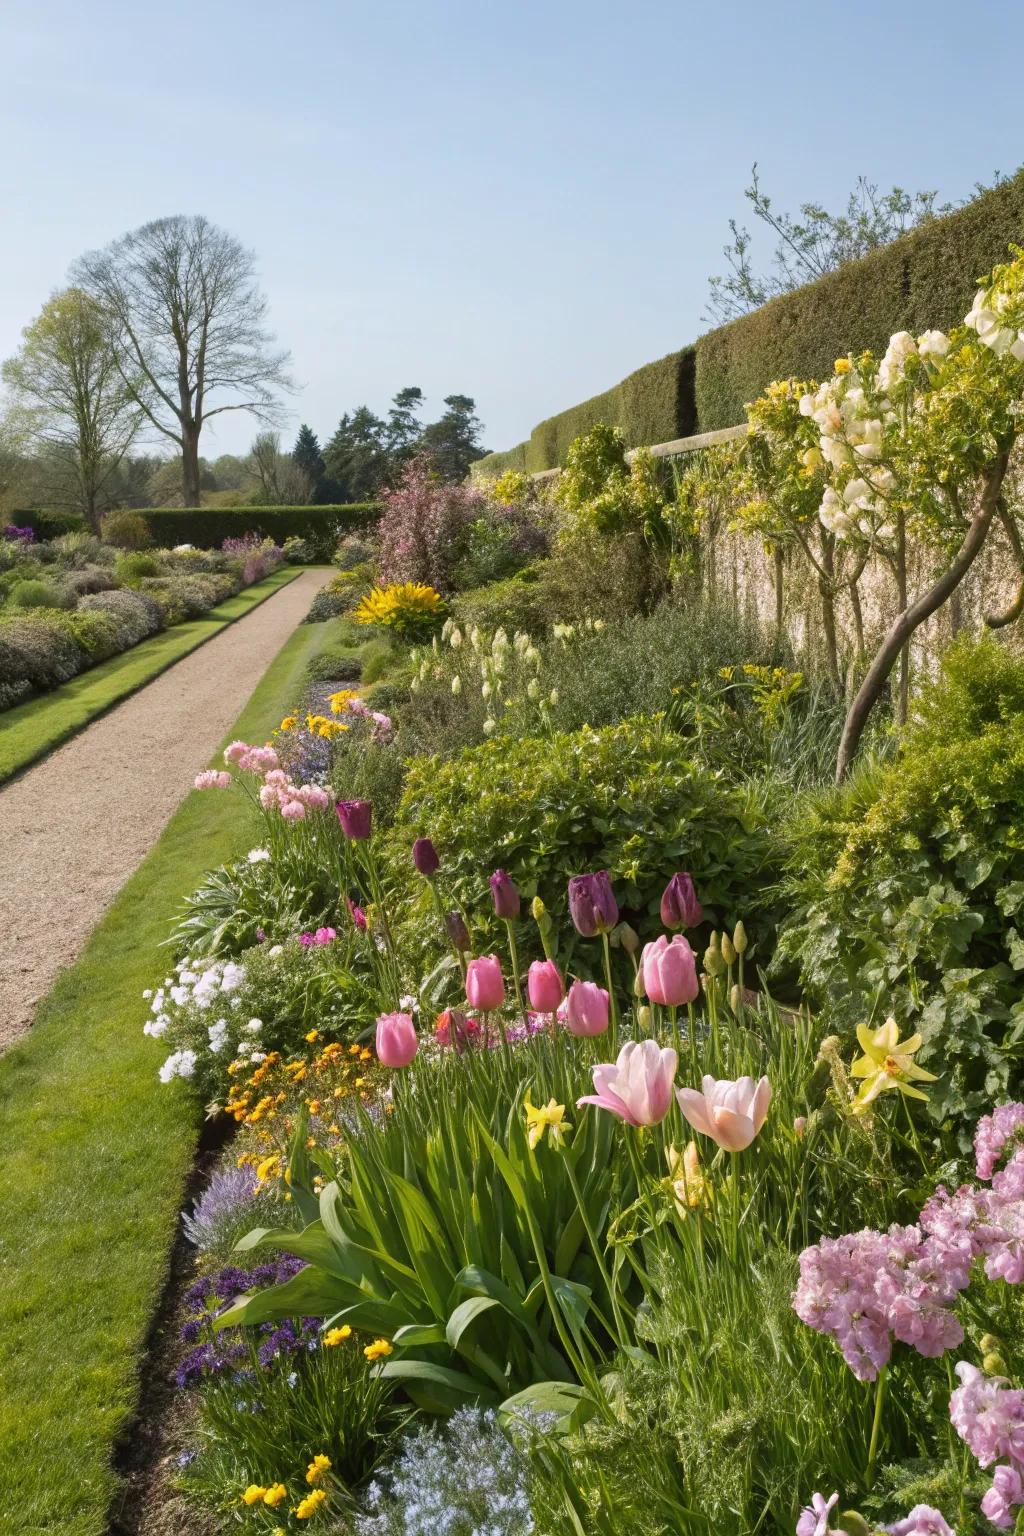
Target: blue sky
[521,202]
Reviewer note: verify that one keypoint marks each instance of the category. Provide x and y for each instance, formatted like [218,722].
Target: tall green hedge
[208,527]
[924,279]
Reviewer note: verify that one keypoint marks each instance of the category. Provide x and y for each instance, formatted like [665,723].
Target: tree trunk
[903,702]
[1011,614]
[853,587]
[905,623]
[190,466]
[826,587]
[91,514]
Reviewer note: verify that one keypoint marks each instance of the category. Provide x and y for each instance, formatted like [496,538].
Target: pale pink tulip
[485,986]
[670,971]
[396,1039]
[730,1113]
[544,986]
[638,1085]
[587,1011]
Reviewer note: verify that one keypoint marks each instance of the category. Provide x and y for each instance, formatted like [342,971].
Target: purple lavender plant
[219,1207]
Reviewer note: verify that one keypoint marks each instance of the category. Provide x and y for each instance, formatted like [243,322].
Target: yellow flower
[335,1336]
[274,1494]
[314,1034]
[552,1117]
[686,1180]
[843,365]
[339,702]
[887,1063]
[254,1494]
[310,1504]
[378,1350]
[317,1467]
[269,1168]
[289,722]
[400,605]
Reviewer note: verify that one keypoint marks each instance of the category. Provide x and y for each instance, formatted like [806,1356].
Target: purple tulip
[587,1011]
[424,856]
[458,933]
[679,905]
[592,904]
[355,817]
[396,1039]
[506,897]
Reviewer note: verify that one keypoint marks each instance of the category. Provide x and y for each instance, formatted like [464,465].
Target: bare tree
[187,323]
[70,398]
[282,482]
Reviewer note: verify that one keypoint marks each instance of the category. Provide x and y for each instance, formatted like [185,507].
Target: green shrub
[208,527]
[96,633]
[519,602]
[126,530]
[39,594]
[89,578]
[625,798]
[907,886]
[77,549]
[38,647]
[136,614]
[379,658]
[335,666]
[131,566]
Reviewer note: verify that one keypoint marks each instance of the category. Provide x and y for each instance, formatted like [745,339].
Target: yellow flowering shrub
[411,608]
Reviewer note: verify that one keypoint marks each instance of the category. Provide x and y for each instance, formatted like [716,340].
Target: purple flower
[813,1519]
[355,817]
[424,857]
[225,1197]
[993,1132]
[592,903]
[923,1520]
[458,933]
[506,897]
[679,905]
[1006,1492]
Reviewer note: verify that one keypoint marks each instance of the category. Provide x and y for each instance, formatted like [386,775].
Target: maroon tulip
[592,904]
[355,817]
[679,905]
[506,897]
[424,856]
[458,933]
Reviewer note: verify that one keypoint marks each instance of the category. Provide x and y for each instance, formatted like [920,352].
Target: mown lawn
[32,729]
[95,1153]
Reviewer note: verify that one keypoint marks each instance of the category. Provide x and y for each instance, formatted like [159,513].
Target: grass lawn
[95,1153]
[32,729]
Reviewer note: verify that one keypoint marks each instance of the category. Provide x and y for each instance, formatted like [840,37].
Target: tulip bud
[355,817]
[714,962]
[639,990]
[544,987]
[627,937]
[728,952]
[644,1017]
[993,1364]
[800,1126]
[987,1343]
[739,939]
[458,933]
[592,904]
[853,1524]
[679,905]
[736,998]
[537,909]
[485,986]
[505,895]
[424,857]
[396,1041]
[587,1009]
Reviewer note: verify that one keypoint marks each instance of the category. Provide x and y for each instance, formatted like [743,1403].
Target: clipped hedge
[208,527]
[924,279]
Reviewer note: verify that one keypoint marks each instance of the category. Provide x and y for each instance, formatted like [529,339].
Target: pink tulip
[544,986]
[732,1114]
[396,1039]
[638,1085]
[587,1011]
[485,986]
[670,971]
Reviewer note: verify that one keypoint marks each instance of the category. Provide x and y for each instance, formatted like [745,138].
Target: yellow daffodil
[316,1469]
[335,1336]
[550,1117]
[310,1504]
[888,1062]
[378,1350]
[686,1179]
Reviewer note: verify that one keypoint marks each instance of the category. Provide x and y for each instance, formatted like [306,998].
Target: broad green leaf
[465,1315]
[413,1335]
[438,1388]
[310,1293]
[570,1403]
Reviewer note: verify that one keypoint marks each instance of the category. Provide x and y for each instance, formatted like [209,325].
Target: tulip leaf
[465,1315]
[570,1403]
[438,1388]
[414,1335]
[310,1293]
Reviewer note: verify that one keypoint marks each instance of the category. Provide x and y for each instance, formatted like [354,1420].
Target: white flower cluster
[986,318]
[491,656]
[183,1002]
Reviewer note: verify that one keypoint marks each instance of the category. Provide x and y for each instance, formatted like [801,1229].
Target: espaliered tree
[912,447]
[186,322]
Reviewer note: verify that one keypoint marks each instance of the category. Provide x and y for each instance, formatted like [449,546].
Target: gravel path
[75,826]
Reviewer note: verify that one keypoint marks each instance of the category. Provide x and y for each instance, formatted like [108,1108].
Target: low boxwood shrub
[626,798]
[907,887]
[39,594]
[135,613]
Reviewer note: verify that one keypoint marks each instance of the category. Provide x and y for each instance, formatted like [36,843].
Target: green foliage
[39,594]
[131,566]
[208,527]
[126,530]
[519,602]
[625,798]
[907,886]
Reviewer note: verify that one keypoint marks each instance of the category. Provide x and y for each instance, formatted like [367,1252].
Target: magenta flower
[396,1039]
[923,1520]
[592,904]
[485,985]
[506,897]
[1005,1494]
[355,817]
[679,905]
[424,857]
[544,986]
[637,1086]
[670,971]
[325,935]
[587,1010]
[357,914]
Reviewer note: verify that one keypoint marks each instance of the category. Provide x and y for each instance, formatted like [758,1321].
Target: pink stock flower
[1004,1125]
[587,1010]
[813,1519]
[988,1416]
[670,971]
[293,810]
[1005,1494]
[731,1113]
[485,986]
[212,778]
[396,1039]
[923,1520]
[544,986]
[637,1086]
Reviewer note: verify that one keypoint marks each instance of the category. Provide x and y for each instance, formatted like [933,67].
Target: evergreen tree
[356,457]
[454,442]
[307,457]
[403,429]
